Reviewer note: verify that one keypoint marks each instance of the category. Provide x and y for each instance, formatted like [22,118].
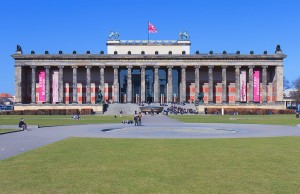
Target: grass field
[46,120]
[49,120]
[87,165]
[7,130]
[245,119]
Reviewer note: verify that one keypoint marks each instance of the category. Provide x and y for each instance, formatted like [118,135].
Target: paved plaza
[158,126]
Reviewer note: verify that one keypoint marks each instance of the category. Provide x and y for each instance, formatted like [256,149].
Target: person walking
[140,118]
[136,117]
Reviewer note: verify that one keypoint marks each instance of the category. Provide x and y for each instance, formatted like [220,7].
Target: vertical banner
[42,86]
[256,94]
[55,86]
[243,85]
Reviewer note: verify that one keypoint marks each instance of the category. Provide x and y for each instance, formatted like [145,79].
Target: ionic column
[251,83]
[18,85]
[143,83]
[33,88]
[88,84]
[129,84]
[279,84]
[74,84]
[170,85]
[102,79]
[224,85]
[183,84]
[264,84]
[210,85]
[197,81]
[47,68]
[237,83]
[116,84]
[61,84]
[156,85]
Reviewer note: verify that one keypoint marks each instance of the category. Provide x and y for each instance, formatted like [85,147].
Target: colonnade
[156,97]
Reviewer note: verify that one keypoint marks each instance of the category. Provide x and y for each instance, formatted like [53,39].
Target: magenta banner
[256,93]
[55,86]
[42,86]
[243,85]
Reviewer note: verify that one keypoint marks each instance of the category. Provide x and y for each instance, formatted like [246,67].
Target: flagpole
[148,30]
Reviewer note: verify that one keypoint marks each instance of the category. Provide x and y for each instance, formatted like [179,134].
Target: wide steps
[127,109]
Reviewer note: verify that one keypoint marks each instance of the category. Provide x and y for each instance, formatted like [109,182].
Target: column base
[33,103]
[211,102]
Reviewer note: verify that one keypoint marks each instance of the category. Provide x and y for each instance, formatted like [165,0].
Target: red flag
[151,28]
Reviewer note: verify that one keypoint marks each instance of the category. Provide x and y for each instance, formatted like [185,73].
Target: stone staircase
[128,109]
[186,106]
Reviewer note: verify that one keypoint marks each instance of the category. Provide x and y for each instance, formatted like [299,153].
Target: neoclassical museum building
[135,71]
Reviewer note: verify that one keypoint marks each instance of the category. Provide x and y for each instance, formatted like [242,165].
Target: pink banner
[55,86]
[256,94]
[42,86]
[243,85]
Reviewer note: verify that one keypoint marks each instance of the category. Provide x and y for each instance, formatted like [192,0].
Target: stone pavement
[157,126]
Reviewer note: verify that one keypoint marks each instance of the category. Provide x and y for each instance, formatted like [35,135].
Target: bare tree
[296,94]
[286,83]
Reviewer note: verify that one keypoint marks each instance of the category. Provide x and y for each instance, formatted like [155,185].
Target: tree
[286,83]
[296,94]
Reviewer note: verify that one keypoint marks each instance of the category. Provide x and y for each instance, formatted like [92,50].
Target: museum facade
[135,71]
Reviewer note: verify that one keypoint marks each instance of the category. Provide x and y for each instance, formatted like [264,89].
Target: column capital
[32,66]
[47,67]
[129,66]
[264,66]
[210,67]
[183,66]
[197,66]
[251,66]
[237,66]
[156,66]
[143,66]
[170,66]
[60,66]
[102,66]
[116,67]
[75,66]
[224,66]
[88,66]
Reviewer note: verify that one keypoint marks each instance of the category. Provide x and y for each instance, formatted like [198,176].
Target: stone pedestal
[201,109]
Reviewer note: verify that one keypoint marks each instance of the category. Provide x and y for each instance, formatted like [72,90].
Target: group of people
[76,117]
[137,118]
[179,110]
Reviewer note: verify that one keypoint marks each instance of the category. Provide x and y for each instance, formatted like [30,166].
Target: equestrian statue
[113,36]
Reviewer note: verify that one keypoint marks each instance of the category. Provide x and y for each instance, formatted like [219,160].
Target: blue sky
[83,25]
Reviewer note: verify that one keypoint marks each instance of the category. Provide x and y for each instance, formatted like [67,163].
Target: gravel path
[158,126]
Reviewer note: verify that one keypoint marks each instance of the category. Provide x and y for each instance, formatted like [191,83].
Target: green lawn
[49,120]
[7,130]
[88,165]
[241,119]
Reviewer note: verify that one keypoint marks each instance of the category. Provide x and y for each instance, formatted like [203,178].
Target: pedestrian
[140,118]
[23,125]
[152,112]
[121,112]
[136,116]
